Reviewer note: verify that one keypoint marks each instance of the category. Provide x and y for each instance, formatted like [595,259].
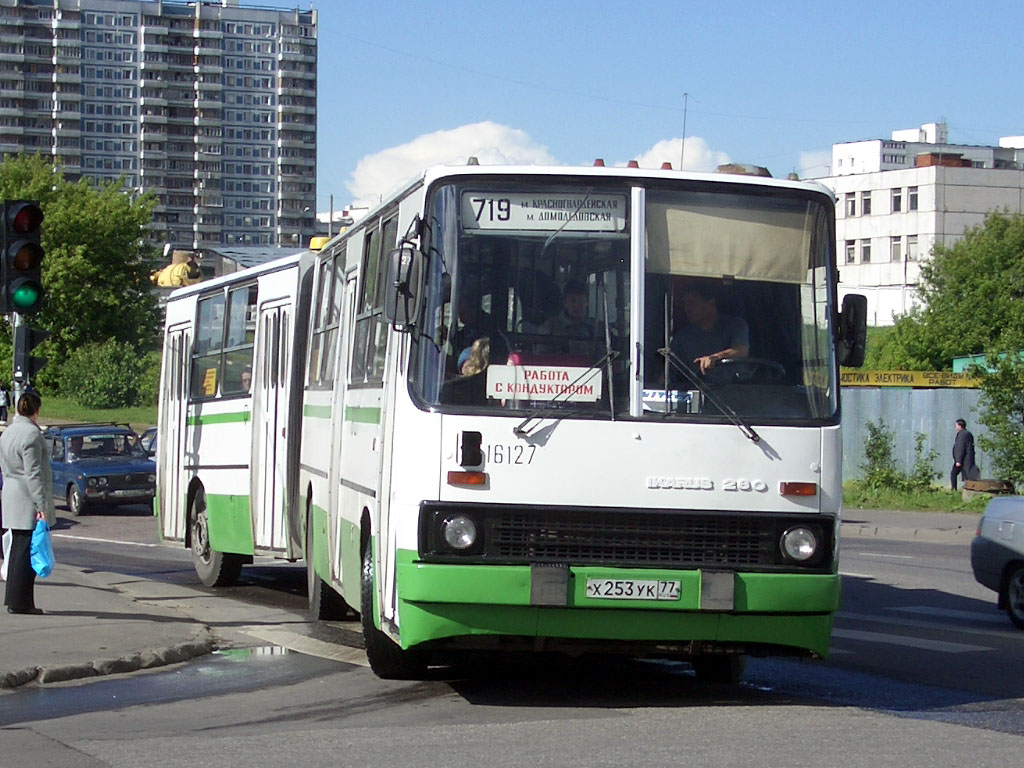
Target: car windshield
[102,445]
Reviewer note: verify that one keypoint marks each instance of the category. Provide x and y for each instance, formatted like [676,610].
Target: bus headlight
[458,532]
[800,544]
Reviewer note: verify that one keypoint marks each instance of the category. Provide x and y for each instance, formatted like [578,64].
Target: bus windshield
[529,303]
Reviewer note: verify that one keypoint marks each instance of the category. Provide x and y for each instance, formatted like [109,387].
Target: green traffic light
[25,297]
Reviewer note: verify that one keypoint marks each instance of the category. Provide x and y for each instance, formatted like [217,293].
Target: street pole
[16,380]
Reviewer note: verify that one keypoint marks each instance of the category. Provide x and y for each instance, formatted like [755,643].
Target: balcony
[295,56]
[208,34]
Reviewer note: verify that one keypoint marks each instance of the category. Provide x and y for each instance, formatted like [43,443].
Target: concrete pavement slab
[91,628]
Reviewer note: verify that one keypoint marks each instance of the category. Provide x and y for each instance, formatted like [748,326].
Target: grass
[857,495]
[57,409]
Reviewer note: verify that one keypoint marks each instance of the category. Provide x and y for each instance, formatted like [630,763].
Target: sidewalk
[106,623]
[91,627]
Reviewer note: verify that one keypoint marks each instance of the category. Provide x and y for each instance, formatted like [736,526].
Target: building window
[896,248]
[911,198]
[865,251]
[851,252]
[851,204]
[911,247]
[897,200]
[865,203]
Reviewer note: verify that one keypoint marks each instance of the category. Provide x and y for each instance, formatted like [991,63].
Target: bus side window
[206,359]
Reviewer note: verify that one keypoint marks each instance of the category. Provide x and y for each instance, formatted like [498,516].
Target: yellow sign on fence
[923,379]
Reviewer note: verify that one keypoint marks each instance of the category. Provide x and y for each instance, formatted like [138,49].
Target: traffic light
[22,258]
[25,340]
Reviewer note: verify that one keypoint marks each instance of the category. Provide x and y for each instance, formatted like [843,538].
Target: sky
[404,84]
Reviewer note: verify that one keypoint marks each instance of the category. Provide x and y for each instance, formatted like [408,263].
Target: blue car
[97,465]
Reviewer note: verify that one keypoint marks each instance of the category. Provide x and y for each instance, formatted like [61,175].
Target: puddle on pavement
[224,671]
[249,654]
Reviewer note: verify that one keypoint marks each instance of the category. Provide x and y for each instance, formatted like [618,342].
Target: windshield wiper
[708,394]
[520,429]
[608,351]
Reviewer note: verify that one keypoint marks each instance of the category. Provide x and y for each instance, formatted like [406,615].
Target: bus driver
[709,336]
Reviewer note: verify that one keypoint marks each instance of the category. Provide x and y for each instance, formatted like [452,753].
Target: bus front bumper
[718,608]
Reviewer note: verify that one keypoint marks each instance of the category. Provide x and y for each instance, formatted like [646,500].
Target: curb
[958,535]
[98,667]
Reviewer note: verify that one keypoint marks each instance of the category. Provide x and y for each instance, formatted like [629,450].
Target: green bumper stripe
[437,601]
[219,418]
[229,523]
[363,415]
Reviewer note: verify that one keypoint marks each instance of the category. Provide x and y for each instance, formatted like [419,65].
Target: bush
[880,469]
[112,374]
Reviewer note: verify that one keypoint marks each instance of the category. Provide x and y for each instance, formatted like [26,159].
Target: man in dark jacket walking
[963,455]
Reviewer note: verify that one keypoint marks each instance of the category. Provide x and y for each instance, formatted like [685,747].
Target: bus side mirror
[403,293]
[853,331]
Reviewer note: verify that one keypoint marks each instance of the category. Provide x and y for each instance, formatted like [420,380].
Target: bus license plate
[632,589]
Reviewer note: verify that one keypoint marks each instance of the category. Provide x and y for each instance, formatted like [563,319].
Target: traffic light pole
[17,384]
[18,379]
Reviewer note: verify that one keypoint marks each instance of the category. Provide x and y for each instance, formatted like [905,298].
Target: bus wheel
[386,659]
[325,604]
[726,668]
[215,569]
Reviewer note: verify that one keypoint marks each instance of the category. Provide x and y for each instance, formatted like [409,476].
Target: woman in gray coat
[27,496]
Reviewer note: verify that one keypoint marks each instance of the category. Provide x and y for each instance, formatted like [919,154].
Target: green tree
[1002,386]
[98,261]
[971,299]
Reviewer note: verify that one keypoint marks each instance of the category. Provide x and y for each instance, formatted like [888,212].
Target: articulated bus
[527,408]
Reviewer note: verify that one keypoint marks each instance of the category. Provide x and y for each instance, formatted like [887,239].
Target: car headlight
[101,481]
[151,478]
[458,532]
[800,544]
[91,482]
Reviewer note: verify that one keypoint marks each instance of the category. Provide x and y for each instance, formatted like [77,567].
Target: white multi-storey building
[900,197]
[209,105]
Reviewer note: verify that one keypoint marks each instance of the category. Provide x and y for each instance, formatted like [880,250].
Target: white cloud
[490,143]
[698,155]
[815,164]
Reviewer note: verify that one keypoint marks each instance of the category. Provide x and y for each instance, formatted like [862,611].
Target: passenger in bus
[576,333]
[475,323]
[247,379]
[709,336]
[470,388]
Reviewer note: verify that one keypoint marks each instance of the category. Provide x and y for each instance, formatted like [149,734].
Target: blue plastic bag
[42,550]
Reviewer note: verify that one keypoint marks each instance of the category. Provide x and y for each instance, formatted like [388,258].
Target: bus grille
[635,539]
[625,538]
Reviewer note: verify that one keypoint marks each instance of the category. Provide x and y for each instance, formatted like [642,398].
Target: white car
[997,554]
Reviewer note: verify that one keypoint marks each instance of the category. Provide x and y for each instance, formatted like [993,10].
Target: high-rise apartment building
[209,105]
[900,197]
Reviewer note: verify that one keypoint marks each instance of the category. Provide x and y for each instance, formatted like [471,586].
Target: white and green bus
[230,393]
[514,434]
